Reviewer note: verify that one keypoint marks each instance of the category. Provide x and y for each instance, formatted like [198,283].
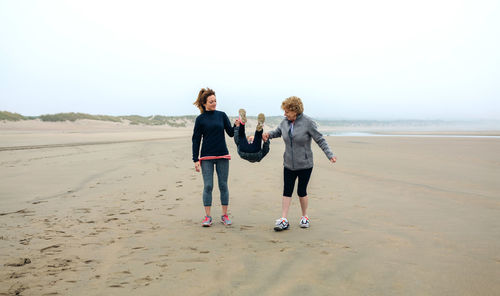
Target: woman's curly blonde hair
[293,104]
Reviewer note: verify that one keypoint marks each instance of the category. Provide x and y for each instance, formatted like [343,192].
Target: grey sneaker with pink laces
[225,219]
[207,221]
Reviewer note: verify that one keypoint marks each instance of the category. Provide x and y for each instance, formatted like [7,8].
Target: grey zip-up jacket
[298,154]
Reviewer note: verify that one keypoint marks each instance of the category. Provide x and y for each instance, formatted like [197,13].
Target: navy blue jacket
[210,125]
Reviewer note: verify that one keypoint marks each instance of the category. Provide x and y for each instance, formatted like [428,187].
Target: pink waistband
[215,157]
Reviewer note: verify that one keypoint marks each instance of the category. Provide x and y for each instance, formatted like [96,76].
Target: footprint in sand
[193,260]
[37,202]
[51,248]
[144,281]
[60,263]
[85,222]
[178,184]
[23,211]
[18,262]
[82,210]
[25,241]
[16,289]
[124,272]
[16,275]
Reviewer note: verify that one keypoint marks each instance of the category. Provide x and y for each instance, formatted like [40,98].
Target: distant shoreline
[327,126]
[427,134]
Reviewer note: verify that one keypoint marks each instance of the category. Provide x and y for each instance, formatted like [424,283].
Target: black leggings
[289,177]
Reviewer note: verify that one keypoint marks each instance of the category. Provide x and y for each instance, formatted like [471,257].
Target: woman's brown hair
[293,104]
[202,98]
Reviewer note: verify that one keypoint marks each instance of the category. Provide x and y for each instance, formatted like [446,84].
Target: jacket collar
[298,117]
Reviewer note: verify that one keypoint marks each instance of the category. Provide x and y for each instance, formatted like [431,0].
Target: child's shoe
[260,121]
[243,116]
[207,222]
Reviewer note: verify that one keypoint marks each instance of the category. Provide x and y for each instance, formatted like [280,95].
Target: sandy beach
[105,209]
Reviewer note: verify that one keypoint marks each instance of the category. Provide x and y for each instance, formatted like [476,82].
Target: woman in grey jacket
[297,130]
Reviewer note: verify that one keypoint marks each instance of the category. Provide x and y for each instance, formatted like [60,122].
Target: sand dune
[118,212]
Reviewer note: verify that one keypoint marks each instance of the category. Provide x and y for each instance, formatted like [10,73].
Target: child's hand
[197,166]
[333,159]
[265,136]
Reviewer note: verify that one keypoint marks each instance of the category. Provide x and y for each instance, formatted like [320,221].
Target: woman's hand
[333,159]
[265,136]
[197,166]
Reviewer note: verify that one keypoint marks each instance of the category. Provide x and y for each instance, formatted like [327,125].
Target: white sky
[345,59]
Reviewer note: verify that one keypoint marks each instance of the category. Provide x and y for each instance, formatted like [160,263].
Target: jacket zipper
[291,145]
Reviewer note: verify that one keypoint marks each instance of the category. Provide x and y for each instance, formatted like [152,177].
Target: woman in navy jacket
[208,131]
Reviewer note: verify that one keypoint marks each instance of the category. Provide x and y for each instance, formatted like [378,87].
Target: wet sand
[117,211]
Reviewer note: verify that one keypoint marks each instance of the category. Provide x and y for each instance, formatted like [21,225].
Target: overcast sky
[345,59]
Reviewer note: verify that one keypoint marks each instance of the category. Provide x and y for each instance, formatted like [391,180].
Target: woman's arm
[228,126]
[272,134]
[196,139]
[320,140]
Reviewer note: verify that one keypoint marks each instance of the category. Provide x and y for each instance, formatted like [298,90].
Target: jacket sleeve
[196,139]
[320,140]
[228,126]
[275,133]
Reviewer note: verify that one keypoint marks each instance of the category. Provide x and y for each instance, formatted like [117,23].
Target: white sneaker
[304,222]
[281,224]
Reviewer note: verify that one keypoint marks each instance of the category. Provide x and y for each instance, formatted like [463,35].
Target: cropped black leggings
[289,177]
